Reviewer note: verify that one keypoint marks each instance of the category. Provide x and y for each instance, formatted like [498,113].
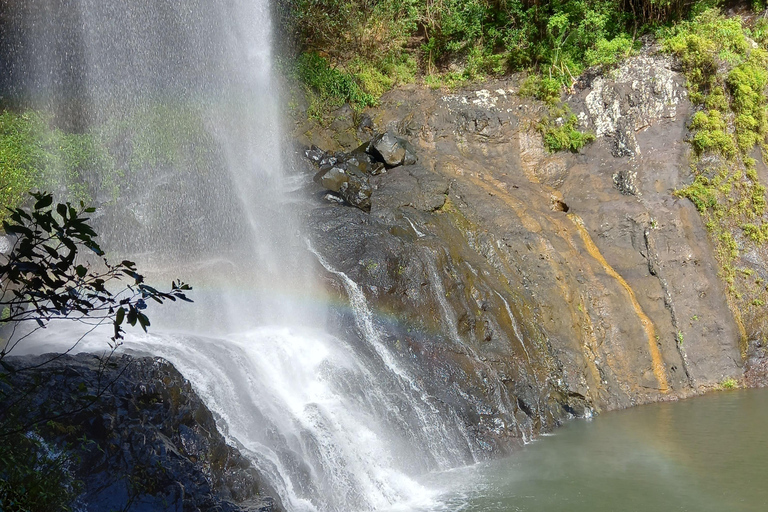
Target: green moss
[710,134]
[727,75]
[701,192]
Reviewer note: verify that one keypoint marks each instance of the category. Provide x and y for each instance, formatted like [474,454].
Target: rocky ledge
[135,433]
[529,287]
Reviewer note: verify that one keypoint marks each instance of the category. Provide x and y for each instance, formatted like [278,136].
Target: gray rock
[349,182]
[392,150]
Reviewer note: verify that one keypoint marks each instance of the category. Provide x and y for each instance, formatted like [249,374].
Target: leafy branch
[44,277]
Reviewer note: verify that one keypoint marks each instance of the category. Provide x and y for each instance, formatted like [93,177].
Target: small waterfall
[182,97]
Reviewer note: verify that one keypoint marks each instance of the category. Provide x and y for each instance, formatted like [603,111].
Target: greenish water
[704,454]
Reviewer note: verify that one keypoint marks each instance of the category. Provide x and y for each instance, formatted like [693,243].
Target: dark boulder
[348,174]
[349,182]
[392,150]
[136,433]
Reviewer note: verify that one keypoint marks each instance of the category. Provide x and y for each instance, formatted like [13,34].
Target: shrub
[560,132]
[332,86]
[608,53]
[542,88]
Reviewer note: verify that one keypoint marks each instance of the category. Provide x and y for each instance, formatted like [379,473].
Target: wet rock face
[348,174]
[544,285]
[148,440]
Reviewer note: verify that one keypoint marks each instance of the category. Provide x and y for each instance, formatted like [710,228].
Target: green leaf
[44,202]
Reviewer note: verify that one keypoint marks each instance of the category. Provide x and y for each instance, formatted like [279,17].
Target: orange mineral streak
[650,331]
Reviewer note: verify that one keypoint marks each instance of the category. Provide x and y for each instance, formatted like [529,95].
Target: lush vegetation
[371,45]
[34,154]
[726,65]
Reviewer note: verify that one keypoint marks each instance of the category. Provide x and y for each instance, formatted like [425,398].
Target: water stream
[183,96]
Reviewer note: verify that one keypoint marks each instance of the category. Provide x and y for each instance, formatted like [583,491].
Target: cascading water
[182,96]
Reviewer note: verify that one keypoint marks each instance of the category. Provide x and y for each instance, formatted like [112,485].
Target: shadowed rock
[146,442]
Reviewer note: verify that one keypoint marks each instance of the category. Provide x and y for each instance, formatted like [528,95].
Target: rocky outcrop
[531,287]
[347,174]
[135,433]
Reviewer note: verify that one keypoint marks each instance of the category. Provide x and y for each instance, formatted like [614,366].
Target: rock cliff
[528,286]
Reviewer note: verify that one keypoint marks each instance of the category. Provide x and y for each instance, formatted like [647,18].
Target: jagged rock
[392,150]
[365,126]
[148,439]
[644,90]
[365,162]
[349,174]
[626,181]
[349,182]
[314,154]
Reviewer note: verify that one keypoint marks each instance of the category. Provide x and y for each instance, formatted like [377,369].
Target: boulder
[392,150]
[136,433]
[349,182]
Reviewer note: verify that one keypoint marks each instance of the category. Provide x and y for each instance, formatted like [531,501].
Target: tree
[46,276]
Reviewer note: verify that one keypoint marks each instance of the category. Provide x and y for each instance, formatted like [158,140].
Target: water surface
[704,454]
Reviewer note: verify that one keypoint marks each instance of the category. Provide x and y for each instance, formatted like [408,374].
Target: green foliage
[455,41]
[560,132]
[729,383]
[21,157]
[349,50]
[461,40]
[154,136]
[701,44]
[609,53]
[33,154]
[542,88]
[34,478]
[332,87]
[42,280]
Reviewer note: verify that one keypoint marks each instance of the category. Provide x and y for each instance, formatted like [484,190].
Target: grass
[34,154]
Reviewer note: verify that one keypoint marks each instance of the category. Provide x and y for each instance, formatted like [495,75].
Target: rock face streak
[529,287]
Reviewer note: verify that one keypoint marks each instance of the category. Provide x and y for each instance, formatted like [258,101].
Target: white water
[332,424]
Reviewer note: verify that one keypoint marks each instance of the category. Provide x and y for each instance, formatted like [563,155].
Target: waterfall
[182,96]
